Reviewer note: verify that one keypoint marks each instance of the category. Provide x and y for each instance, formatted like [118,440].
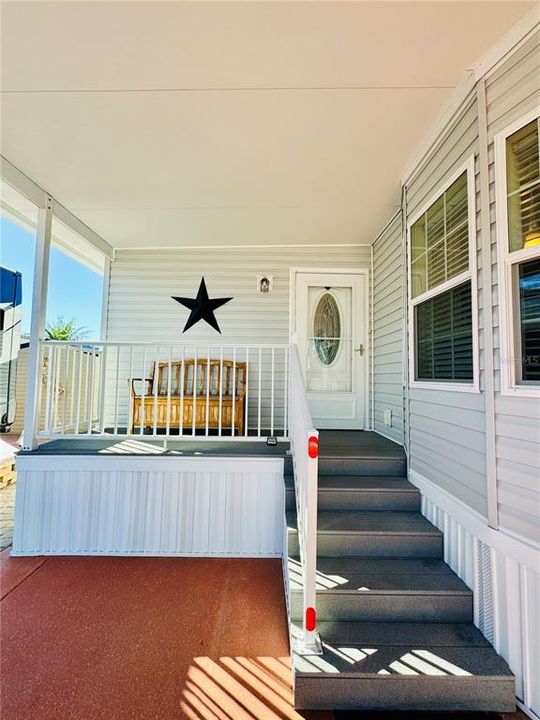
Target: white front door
[330,319]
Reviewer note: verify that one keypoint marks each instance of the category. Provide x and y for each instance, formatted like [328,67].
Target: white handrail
[304,440]
[177,390]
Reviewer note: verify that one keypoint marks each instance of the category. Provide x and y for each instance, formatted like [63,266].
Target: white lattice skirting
[504,573]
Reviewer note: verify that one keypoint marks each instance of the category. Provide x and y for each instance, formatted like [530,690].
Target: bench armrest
[132,381]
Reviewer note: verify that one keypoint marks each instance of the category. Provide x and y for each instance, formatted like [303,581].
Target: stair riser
[377,545]
[389,608]
[397,693]
[363,500]
[362,466]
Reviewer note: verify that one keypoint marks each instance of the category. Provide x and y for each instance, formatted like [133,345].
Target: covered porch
[301,343]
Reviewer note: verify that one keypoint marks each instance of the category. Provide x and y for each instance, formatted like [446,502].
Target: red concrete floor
[149,638]
[140,638]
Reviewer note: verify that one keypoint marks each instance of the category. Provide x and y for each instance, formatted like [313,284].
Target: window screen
[523,187]
[444,343]
[529,319]
[440,240]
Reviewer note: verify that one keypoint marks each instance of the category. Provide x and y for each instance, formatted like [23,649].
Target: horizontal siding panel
[388,330]
[448,414]
[143,282]
[462,437]
[459,459]
[518,451]
[467,486]
[519,428]
[519,522]
[458,146]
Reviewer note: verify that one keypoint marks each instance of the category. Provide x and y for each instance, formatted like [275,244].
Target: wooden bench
[212,390]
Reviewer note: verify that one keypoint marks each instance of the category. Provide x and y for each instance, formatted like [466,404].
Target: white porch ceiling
[188,124]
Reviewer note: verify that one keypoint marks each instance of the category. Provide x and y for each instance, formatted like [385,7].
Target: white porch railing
[114,389]
[305,452]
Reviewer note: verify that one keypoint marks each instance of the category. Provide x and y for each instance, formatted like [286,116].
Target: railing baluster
[220,389]
[79,389]
[259,399]
[142,414]
[39,394]
[65,386]
[90,391]
[117,384]
[182,383]
[169,380]
[157,377]
[49,381]
[131,418]
[285,390]
[207,412]
[56,397]
[246,394]
[102,371]
[233,408]
[195,368]
[72,392]
[272,389]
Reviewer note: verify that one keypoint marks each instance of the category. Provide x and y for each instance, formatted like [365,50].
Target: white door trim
[293,273]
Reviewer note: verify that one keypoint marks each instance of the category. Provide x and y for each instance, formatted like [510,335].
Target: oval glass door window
[327,329]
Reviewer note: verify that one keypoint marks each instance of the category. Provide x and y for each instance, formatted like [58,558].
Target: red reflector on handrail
[310,619]
[313,446]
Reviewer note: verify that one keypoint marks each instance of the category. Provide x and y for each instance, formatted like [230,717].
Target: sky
[75,291]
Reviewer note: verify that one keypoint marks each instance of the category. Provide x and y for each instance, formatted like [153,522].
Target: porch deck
[333,443]
[141,446]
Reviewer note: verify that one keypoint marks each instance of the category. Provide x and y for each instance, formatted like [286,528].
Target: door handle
[360,349]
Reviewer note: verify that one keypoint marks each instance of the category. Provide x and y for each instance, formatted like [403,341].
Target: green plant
[62,329]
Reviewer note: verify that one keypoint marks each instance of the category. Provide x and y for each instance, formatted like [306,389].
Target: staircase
[395,621]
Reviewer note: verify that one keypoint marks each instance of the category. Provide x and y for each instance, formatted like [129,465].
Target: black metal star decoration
[202,308]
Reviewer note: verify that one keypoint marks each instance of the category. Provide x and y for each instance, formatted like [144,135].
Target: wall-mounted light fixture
[265,283]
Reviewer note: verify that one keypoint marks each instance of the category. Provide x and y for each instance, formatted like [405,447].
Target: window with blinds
[523,187]
[440,240]
[441,287]
[529,311]
[523,256]
[444,343]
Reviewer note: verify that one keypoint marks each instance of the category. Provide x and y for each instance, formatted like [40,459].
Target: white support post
[37,327]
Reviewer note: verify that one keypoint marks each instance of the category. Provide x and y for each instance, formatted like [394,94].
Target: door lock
[360,349]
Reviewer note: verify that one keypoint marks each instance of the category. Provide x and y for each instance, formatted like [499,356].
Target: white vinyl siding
[447,435]
[512,93]
[447,428]
[142,283]
[104,505]
[388,282]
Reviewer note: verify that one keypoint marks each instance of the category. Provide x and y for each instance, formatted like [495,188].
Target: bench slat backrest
[208,375]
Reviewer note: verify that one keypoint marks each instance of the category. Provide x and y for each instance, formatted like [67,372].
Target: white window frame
[469,275]
[505,262]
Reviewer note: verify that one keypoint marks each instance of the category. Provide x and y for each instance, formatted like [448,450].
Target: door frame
[363,271]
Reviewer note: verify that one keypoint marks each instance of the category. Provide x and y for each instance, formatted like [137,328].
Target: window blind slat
[440,239]
[444,343]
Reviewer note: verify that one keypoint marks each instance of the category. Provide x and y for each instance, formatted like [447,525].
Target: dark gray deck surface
[357,443]
[149,446]
[333,443]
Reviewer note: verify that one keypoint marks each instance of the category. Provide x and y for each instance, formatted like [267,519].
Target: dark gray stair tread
[355,661]
[381,566]
[396,584]
[364,521]
[379,483]
[370,634]
[358,444]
